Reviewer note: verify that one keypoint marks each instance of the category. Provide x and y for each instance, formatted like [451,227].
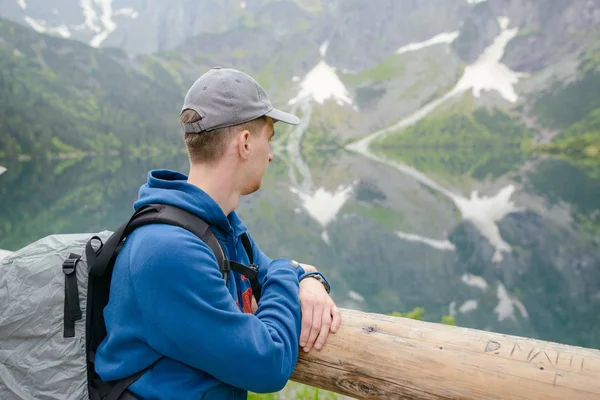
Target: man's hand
[319,313]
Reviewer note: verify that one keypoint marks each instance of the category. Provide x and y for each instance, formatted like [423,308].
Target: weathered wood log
[375,356]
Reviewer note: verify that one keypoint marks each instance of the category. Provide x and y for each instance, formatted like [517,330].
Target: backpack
[47,343]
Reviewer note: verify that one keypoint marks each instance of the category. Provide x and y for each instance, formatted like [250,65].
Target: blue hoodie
[168,298]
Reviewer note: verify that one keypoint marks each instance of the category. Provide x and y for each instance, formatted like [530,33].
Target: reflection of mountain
[541,288]
[450,162]
[544,287]
[561,183]
[72,196]
[551,271]
[484,212]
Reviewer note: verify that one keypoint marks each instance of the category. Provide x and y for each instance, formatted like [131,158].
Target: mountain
[61,96]
[538,43]
[350,69]
[138,26]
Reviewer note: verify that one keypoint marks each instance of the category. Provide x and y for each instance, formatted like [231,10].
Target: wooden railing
[375,356]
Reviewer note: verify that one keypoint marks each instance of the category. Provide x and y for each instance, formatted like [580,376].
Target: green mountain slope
[460,139]
[61,96]
[573,110]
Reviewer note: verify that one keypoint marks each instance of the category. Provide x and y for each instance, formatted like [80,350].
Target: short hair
[209,146]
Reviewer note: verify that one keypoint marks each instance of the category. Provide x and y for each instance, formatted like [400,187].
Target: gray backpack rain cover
[36,360]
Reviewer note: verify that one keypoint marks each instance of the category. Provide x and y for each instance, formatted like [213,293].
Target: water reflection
[321,204]
[483,211]
[546,287]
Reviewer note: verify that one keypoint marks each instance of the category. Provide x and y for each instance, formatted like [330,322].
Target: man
[168,300]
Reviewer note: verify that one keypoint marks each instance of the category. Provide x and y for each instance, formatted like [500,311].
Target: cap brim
[279,115]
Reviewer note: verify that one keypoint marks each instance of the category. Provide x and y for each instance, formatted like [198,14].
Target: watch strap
[319,276]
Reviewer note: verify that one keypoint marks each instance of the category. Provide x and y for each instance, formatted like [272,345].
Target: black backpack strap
[103,257]
[119,391]
[248,247]
[160,214]
[166,214]
[72,310]
[256,287]
[97,295]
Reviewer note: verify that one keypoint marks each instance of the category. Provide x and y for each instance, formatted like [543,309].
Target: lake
[502,240]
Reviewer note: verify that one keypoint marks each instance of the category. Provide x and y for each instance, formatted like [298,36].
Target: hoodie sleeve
[191,316]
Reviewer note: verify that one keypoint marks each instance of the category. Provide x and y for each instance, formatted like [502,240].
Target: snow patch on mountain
[89,15]
[128,12]
[97,18]
[485,212]
[105,26]
[468,306]
[40,26]
[474,281]
[507,304]
[322,205]
[488,73]
[323,49]
[443,245]
[445,37]
[322,83]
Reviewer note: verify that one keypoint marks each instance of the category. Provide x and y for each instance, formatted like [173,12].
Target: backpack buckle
[253,273]
[249,271]
[70,264]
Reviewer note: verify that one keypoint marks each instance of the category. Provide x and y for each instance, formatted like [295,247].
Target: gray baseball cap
[226,97]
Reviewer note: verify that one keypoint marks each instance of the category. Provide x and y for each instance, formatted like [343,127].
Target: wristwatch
[318,276]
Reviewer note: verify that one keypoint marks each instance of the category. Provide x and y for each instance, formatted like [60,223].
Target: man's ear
[243,143]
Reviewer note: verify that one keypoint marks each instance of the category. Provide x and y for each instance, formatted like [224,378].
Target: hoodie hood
[171,187]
